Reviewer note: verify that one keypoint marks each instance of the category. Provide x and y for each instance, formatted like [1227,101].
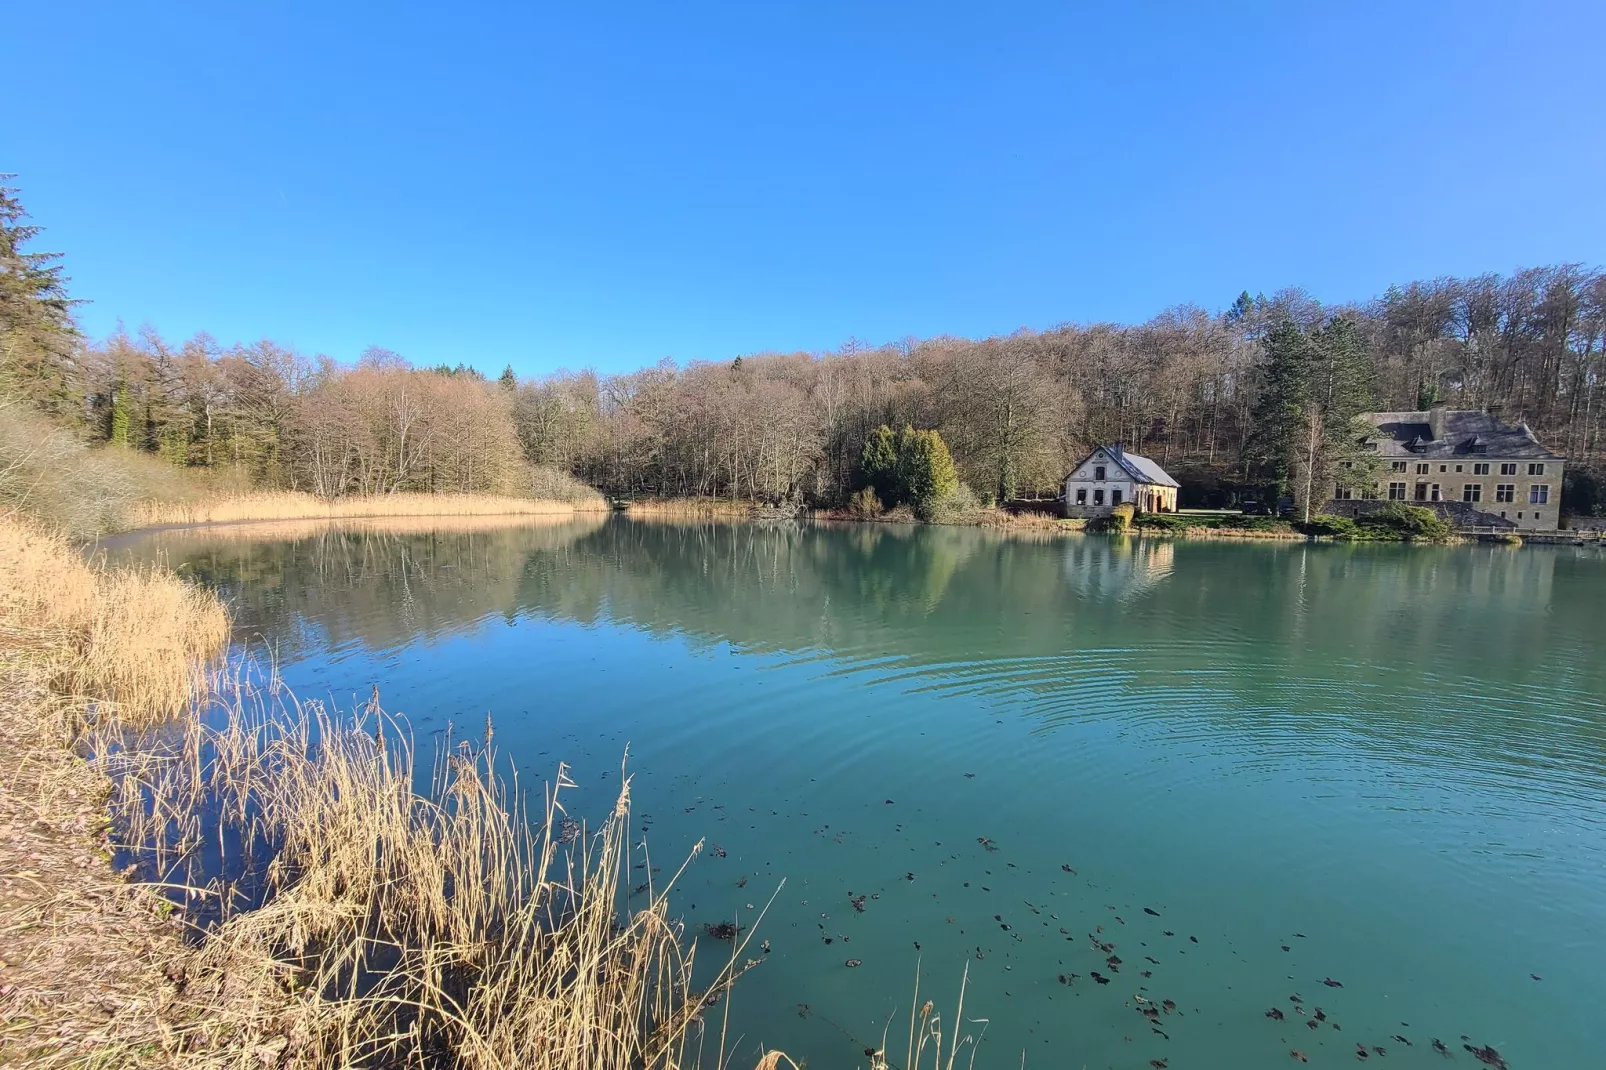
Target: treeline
[1199,391]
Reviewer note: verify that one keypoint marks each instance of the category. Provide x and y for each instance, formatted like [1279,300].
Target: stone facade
[1461,455]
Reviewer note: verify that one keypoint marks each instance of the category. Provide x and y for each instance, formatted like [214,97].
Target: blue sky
[604,184]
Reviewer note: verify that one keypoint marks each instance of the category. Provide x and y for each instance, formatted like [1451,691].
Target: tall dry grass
[691,508]
[296,505]
[406,928]
[131,643]
[48,474]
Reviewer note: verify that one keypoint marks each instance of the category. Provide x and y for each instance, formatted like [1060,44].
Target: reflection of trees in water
[1380,636]
[381,588]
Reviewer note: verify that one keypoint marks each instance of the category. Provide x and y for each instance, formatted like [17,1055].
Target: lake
[1252,768]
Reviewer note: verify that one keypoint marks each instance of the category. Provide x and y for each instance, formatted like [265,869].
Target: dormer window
[1369,445]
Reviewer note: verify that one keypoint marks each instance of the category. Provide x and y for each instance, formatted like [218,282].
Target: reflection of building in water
[1117,568]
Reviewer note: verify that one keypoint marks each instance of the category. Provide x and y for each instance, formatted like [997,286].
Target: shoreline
[101,967]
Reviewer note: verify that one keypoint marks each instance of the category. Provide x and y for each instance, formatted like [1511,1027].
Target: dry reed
[293,530]
[406,928]
[692,508]
[295,505]
[132,642]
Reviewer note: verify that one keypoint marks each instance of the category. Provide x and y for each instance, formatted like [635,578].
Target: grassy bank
[392,928]
[85,971]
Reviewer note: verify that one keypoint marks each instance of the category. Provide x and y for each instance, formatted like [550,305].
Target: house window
[1397,466]
[1536,469]
[1098,473]
[1539,494]
[1480,469]
[1081,495]
[1369,494]
[1346,464]
[1444,468]
[1459,468]
[1369,446]
[1505,492]
[1098,494]
[1342,493]
[1421,492]
[1422,469]
[1519,513]
[1396,492]
[1472,492]
[1433,493]
[1508,469]
[1115,496]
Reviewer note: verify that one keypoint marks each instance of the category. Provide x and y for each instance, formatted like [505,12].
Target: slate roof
[1463,433]
[1140,468]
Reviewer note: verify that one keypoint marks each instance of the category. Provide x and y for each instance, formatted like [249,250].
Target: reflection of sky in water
[1395,752]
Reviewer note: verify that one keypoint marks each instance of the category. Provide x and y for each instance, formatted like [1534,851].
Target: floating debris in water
[1195,939]
[1067,869]
[1438,1046]
[1100,978]
[1536,977]
[987,843]
[1275,1014]
[722,930]
[802,1010]
[1152,913]
[1401,1039]
[1361,1052]
[1169,1005]
[1301,1056]
[1158,1064]
[851,963]
[1487,1056]
[1330,983]
[717,851]
[857,901]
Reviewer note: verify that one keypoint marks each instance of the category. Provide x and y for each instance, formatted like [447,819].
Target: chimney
[1118,451]
[1436,421]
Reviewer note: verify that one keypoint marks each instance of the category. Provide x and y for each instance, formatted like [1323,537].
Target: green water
[1380,765]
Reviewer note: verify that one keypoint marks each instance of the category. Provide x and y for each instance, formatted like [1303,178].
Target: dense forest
[1229,401]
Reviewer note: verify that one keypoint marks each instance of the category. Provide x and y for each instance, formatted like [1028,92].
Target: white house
[1109,476]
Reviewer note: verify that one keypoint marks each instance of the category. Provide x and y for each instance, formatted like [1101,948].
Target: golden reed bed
[294,505]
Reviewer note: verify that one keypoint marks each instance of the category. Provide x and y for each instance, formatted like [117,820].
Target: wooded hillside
[1205,393]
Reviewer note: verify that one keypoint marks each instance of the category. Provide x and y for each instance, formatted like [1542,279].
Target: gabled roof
[1138,467]
[1463,433]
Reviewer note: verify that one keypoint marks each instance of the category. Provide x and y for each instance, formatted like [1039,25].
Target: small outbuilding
[1109,476]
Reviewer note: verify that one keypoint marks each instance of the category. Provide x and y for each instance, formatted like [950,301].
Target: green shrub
[1407,522]
[1335,527]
